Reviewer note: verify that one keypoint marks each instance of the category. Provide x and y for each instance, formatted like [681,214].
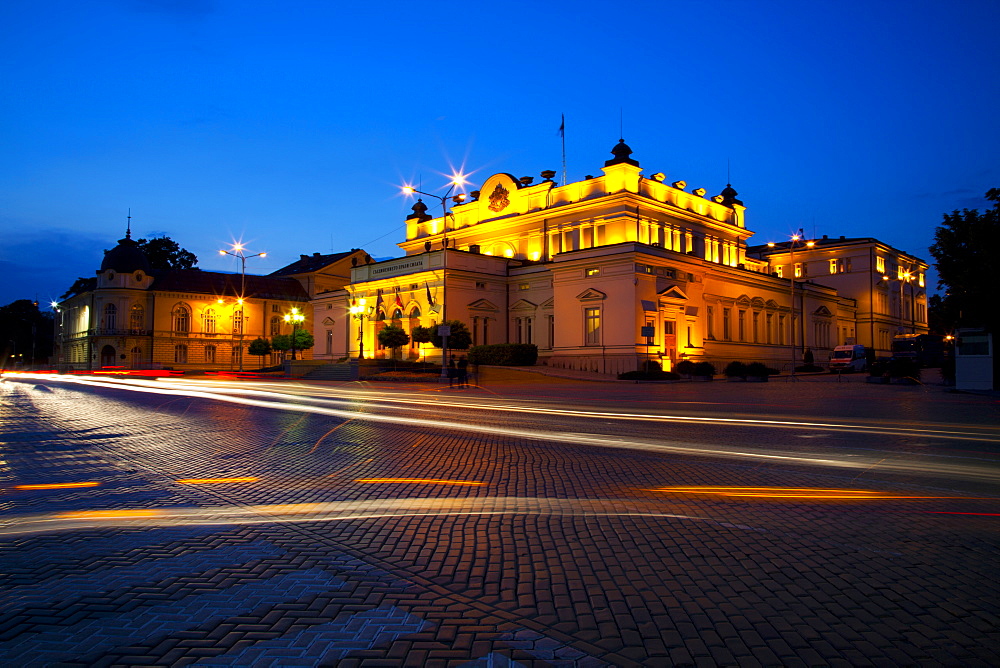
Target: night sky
[291,126]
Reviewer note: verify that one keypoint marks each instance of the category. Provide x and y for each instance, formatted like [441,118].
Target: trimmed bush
[736,370]
[650,366]
[760,369]
[685,367]
[504,354]
[704,369]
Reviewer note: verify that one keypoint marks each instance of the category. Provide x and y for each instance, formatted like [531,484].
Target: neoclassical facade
[603,273]
[133,317]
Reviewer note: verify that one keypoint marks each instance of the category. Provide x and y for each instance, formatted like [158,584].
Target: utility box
[974,360]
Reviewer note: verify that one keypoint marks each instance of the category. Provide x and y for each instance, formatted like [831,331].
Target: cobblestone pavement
[357,526]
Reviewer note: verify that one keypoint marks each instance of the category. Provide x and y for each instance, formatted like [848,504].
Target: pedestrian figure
[463,372]
[808,357]
[452,372]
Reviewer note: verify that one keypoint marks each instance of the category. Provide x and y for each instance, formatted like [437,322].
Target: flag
[562,127]
[399,302]
[378,302]
[430,298]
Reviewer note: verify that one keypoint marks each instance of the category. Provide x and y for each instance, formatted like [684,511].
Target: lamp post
[795,238]
[359,311]
[237,252]
[295,317]
[904,277]
[456,180]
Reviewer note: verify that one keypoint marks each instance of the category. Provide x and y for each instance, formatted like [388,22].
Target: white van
[848,358]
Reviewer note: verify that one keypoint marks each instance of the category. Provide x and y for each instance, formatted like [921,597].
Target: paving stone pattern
[658,581]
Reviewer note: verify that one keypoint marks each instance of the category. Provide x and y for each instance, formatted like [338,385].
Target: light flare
[419,481]
[215,481]
[58,485]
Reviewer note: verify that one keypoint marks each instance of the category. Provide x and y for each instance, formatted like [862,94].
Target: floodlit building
[131,316]
[611,270]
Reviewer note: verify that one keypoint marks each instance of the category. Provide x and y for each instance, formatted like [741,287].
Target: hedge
[504,354]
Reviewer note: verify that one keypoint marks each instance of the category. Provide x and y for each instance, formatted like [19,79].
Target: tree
[303,340]
[393,337]
[963,248]
[164,253]
[80,285]
[459,339]
[25,333]
[259,347]
[421,334]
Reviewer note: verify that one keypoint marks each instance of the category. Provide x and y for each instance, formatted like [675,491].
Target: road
[530,521]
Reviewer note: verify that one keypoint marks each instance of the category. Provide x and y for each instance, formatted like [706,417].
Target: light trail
[280,401]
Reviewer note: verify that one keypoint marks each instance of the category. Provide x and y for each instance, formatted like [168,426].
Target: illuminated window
[238,322]
[900,272]
[275,325]
[137,318]
[110,316]
[524,286]
[592,271]
[833,266]
[182,320]
[210,354]
[180,354]
[799,270]
[209,319]
[780,270]
[920,279]
[592,326]
[880,264]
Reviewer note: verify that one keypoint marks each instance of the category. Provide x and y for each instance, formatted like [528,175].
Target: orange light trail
[108,514]
[213,481]
[420,481]
[58,485]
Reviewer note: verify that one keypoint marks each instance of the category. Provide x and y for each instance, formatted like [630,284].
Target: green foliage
[281,342]
[421,334]
[460,338]
[964,245]
[736,370]
[704,369]
[164,253]
[79,286]
[393,337]
[303,340]
[504,354]
[259,347]
[685,367]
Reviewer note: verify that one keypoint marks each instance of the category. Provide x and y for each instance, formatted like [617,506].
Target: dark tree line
[26,333]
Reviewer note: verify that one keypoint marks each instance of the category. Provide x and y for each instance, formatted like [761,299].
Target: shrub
[704,369]
[809,368]
[736,370]
[685,368]
[760,369]
[504,354]
[650,366]
[903,368]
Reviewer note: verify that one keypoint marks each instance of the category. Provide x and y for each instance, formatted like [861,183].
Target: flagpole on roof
[562,133]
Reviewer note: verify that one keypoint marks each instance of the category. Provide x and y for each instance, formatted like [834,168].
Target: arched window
[180,354]
[415,313]
[137,318]
[209,321]
[275,326]
[182,319]
[238,322]
[397,314]
[110,316]
[210,354]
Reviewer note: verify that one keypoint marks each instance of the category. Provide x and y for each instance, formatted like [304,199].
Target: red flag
[399,302]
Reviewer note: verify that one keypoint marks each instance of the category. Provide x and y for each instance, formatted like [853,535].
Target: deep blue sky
[291,125]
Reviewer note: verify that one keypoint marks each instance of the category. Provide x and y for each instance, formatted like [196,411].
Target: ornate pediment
[590,294]
[824,311]
[673,292]
[523,305]
[743,301]
[483,305]
[548,303]
[328,321]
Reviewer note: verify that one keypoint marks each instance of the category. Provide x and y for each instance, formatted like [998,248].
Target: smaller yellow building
[134,317]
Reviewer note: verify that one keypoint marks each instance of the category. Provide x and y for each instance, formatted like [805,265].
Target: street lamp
[904,277]
[795,238]
[456,180]
[237,252]
[359,311]
[295,318]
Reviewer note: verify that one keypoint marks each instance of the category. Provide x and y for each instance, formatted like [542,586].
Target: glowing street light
[793,240]
[295,317]
[457,180]
[359,311]
[905,276]
[237,251]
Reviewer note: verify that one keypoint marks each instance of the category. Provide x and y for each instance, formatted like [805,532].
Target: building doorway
[107,356]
